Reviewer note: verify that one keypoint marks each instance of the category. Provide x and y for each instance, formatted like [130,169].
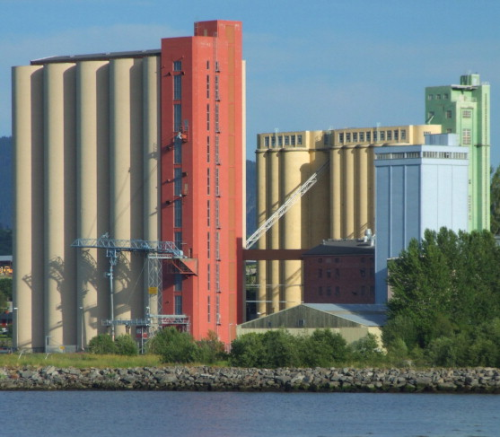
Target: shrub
[322,349]
[101,344]
[174,346]
[210,349]
[125,345]
[247,351]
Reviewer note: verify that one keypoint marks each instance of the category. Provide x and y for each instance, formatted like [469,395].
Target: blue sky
[314,64]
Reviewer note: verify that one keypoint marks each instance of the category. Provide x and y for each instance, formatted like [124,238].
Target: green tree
[447,285]
[5,292]
[322,348]
[247,351]
[495,202]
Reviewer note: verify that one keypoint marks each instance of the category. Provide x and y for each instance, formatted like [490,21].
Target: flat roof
[96,57]
[342,247]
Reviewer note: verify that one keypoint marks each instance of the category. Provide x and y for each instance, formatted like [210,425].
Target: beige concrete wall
[86,141]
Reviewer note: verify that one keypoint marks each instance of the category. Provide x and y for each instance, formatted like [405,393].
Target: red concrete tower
[202,168]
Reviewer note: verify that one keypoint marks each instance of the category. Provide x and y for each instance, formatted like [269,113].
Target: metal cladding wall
[86,137]
[203,174]
[418,188]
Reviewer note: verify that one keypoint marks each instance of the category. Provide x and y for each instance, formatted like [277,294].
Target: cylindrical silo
[273,180]
[261,218]
[348,192]
[90,93]
[28,280]
[336,192]
[60,207]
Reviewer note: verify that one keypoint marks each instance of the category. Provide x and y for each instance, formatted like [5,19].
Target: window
[467,113]
[337,291]
[389,135]
[208,86]
[208,181]
[448,114]
[466,137]
[320,291]
[208,148]
[287,140]
[208,65]
[178,150]
[177,181]
[217,309]
[320,273]
[280,141]
[177,65]
[396,135]
[217,246]
[438,96]
[273,141]
[355,137]
[177,282]
[403,134]
[368,136]
[299,140]
[178,305]
[217,187]
[208,245]
[208,309]
[446,96]
[362,272]
[208,117]
[382,135]
[363,289]
[178,213]
[177,117]
[217,126]
[217,95]
[177,87]
[217,156]
[328,291]
[217,218]
[337,273]
[178,240]
[348,137]
[217,278]
[362,137]
[266,142]
[293,140]
[341,137]
[375,136]
[208,277]
[208,213]
[430,96]
[328,273]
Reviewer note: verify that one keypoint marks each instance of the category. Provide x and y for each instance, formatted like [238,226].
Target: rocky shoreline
[476,380]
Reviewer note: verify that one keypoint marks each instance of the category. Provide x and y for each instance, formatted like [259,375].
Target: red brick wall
[339,279]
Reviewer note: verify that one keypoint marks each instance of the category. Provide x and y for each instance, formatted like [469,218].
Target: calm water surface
[158,414]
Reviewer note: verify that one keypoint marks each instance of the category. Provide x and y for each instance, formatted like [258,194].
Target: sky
[317,64]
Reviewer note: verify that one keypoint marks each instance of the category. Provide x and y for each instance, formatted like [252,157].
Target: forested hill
[6,188]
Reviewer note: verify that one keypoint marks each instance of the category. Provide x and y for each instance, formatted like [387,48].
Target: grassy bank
[79,360]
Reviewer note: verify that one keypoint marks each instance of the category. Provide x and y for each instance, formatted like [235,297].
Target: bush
[125,345]
[174,346]
[101,344]
[322,349]
[247,351]
[211,350]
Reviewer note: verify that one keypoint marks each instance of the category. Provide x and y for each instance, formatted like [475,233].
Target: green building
[465,110]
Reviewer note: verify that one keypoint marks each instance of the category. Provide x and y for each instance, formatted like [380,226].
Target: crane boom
[289,202]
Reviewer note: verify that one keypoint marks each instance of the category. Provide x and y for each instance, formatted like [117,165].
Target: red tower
[202,175]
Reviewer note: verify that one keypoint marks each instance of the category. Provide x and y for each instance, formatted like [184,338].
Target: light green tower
[465,110]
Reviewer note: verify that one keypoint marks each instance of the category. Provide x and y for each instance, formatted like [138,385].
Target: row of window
[217,213]
[362,291]
[283,140]
[444,96]
[413,155]
[338,260]
[336,273]
[466,113]
[369,136]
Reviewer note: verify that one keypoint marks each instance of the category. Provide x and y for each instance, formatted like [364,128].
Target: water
[186,414]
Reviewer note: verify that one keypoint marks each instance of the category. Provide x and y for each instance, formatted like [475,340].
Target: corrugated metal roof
[341,247]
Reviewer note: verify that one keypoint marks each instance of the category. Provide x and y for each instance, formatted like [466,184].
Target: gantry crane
[157,252]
